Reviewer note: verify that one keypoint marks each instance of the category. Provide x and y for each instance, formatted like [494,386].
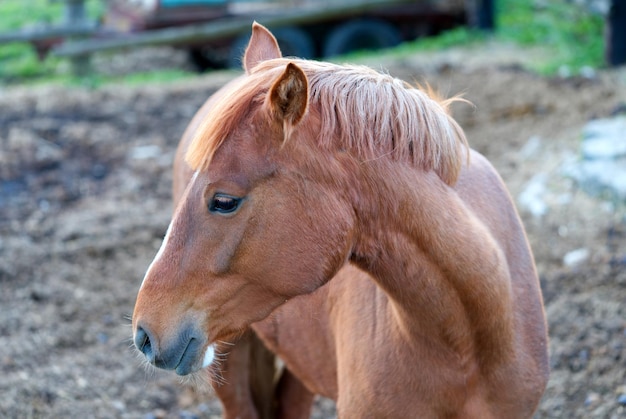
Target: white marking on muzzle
[166,238]
[158,255]
[209,356]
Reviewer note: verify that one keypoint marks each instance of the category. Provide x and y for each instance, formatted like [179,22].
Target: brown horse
[340,213]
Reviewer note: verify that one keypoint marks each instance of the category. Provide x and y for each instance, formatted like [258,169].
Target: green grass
[15,14]
[162,76]
[461,36]
[19,61]
[96,80]
[571,37]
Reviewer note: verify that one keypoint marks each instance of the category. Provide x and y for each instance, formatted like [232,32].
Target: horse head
[253,229]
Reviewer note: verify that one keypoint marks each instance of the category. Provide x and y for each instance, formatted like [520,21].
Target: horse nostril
[143,343]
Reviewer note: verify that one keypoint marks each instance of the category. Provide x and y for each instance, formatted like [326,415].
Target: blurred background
[94,96]
[57,39]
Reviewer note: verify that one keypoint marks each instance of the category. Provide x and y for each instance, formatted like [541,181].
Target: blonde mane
[367,113]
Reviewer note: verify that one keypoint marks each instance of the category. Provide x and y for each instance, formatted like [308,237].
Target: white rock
[604,139]
[531,148]
[599,177]
[532,197]
[145,152]
[576,257]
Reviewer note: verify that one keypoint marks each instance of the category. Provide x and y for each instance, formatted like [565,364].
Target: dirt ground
[85,200]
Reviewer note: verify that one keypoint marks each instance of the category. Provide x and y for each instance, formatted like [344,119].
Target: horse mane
[373,115]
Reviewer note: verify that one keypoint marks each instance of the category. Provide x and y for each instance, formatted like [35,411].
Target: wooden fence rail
[221,28]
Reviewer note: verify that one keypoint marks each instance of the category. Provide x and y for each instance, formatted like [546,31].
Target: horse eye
[224,204]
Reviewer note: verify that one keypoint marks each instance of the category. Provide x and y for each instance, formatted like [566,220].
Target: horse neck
[441,268]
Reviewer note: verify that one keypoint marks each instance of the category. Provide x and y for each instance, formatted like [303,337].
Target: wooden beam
[45,33]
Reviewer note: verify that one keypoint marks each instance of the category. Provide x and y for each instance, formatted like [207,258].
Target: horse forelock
[369,114]
[219,121]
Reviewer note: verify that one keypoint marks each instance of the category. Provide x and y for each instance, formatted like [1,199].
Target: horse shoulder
[485,194]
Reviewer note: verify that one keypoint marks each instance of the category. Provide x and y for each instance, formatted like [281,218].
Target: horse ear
[262,47]
[289,96]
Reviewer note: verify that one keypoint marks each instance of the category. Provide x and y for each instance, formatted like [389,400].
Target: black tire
[208,57]
[480,14]
[293,42]
[615,34]
[366,34]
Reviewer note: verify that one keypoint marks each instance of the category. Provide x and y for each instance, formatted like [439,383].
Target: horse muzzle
[185,353]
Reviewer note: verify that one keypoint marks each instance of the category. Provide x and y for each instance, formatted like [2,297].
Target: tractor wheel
[366,34]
